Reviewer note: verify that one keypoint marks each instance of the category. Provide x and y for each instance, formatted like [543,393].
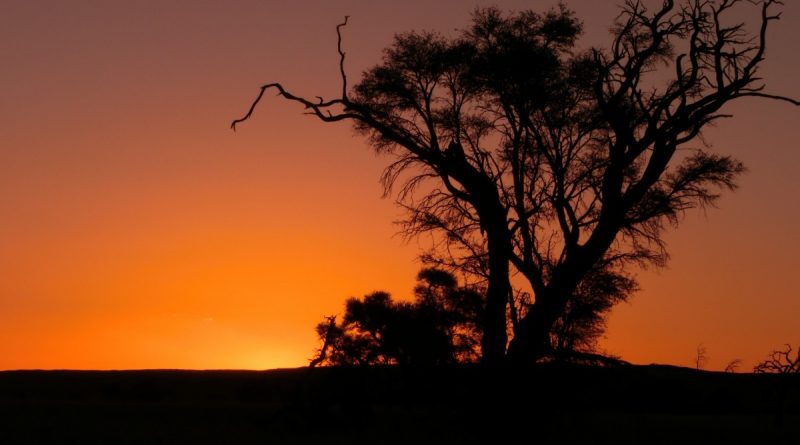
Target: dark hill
[388,405]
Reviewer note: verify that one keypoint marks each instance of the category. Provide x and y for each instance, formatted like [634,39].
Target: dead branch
[780,362]
[322,109]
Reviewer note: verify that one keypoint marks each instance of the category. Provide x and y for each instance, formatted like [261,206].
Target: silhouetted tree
[565,165]
[701,357]
[781,362]
[440,327]
[733,365]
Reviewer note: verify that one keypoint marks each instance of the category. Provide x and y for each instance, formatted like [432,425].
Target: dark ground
[386,405]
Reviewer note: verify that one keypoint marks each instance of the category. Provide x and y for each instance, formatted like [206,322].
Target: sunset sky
[138,231]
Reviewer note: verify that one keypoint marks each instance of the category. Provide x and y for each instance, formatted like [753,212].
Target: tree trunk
[532,340]
[493,343]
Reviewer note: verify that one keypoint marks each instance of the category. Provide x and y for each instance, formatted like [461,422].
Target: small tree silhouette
[780,361]
[701,357]
[441,326]
[733,365]
[328,332]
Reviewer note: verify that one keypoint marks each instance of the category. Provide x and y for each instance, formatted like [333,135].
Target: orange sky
[138,231]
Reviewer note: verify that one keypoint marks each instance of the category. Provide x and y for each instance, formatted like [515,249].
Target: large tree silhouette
[563,166]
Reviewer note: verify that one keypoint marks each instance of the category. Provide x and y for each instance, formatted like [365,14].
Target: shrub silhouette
[441,326]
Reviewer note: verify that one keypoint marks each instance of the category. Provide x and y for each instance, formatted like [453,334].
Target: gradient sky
[138,231]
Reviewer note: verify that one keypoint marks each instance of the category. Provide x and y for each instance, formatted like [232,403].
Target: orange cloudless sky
[138,231]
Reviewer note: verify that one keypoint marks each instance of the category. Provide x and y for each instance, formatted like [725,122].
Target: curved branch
[253,105]
[318,109]
[774,97]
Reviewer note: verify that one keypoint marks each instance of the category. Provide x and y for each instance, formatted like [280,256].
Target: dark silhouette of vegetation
[701,357]
[562,166]
[733,365]
[780,361]
[329,333]
[441,326]
[583,320]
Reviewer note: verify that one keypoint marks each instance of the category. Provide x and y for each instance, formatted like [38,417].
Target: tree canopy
[559,165]
[441,326]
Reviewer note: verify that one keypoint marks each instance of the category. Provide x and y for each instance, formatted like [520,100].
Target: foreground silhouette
[395,405]
[557,165]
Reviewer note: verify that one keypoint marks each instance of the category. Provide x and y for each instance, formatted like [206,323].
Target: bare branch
[780,361]
[733,365]
[341,57]
[322,108]
[773,97]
